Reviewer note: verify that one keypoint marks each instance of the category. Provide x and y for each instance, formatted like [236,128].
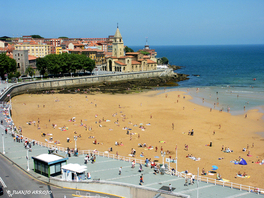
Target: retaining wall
[19,88]
[128,191]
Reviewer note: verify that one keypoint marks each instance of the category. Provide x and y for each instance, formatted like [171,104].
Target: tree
[7,65]
[164,60]
[64,63]
[53,64]
[41,64]
[128,49]
[30,71]
[87,63]
[144,52]
[36,36]
[63,37]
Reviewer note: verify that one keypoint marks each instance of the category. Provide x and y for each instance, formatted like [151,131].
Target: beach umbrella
[214,167]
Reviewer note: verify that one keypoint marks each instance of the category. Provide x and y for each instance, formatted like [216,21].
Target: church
[129,62]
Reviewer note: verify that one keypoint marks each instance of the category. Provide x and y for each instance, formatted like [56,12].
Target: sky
[167,22]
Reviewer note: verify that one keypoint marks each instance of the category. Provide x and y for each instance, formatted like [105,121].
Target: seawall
[20,88]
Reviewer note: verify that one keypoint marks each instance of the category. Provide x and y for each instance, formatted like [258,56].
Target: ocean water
[229,76]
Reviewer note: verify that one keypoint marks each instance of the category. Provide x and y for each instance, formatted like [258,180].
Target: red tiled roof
[113,57]
[122,57]
[132,53]
[120,63]
[108,53]
[86,50]
[31,57]
[9,55]
[135,63]
[151,61]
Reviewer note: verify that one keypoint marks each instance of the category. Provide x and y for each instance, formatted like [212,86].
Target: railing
[229,184]
[112,156]
[138,161]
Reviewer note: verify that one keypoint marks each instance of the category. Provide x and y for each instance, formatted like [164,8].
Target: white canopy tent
[73,172]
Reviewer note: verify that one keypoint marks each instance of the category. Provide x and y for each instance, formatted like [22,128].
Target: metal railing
[231,185]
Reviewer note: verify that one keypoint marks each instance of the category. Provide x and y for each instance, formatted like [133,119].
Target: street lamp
[27,159]
[163,155]
[75,139]
[3,140]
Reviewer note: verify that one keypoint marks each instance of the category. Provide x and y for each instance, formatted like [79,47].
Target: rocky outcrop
[174,67]
[124,86]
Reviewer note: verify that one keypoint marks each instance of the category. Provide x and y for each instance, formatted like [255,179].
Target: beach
[155,118]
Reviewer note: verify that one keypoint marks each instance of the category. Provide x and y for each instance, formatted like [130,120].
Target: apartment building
[97,55]
[35,49]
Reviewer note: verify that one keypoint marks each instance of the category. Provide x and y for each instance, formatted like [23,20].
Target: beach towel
[247,176]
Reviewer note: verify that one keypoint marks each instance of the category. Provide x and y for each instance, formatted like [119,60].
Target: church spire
[146,46]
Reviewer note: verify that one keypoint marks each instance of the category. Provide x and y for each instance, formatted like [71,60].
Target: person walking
[193,177]
[85,159]
[120,170]
[141,180]
[170,187]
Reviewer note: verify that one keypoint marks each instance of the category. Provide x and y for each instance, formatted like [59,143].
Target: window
[18,65]
[18,54]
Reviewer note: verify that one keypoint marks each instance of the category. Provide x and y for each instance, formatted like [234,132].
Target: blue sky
[168,22]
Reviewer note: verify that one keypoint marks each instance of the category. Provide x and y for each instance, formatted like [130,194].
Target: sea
[225,77]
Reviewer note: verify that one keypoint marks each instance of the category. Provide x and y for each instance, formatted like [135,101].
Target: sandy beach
[152,118]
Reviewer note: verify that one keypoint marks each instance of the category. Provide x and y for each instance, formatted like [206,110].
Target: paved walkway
[106,169]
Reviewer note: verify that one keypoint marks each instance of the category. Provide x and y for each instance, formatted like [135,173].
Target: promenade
[105,170]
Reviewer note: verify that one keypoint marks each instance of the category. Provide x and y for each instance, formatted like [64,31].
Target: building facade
[24,60]
[129,62]
[21,57]
[93,53]
[38,50]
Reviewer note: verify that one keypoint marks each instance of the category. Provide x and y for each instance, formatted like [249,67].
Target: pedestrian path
[107,169]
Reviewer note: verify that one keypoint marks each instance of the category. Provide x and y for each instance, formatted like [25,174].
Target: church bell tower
[118,44]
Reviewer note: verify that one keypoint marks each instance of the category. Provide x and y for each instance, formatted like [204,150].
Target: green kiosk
[49,164]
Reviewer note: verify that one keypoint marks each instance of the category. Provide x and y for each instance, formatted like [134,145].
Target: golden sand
[158,110]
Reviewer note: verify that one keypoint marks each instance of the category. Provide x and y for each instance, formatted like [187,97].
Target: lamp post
[163,155]
[75,139]
[3,140]
[27,160]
